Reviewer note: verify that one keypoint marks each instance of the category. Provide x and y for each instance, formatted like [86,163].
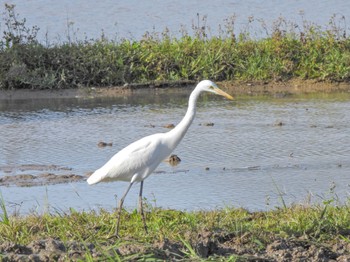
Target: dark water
[65,19]
[258,150]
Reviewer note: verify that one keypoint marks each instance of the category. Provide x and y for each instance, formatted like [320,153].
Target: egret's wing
[140,157]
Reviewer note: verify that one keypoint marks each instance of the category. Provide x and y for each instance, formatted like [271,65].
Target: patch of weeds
[177,234]
[4,216]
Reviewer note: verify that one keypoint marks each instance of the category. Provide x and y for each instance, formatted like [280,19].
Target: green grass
[288,50]
[318,223]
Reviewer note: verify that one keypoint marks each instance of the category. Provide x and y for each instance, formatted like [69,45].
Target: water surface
[257,150]
[85,19]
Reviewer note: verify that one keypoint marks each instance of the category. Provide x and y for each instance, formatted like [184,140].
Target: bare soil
[290,87]
[206,244]
[37,175]
[27,180]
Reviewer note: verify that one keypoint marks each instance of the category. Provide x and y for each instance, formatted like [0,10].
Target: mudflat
[293,86]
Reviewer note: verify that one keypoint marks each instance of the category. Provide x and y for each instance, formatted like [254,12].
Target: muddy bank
[205,244]
[294,86]
[88,92]
[39,175]
[27,180]
[53,174]
[290,87]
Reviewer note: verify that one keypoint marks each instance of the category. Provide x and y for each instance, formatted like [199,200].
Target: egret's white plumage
[138,160]
[133,163]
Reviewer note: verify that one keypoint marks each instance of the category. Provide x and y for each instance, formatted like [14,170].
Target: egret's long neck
[180,130]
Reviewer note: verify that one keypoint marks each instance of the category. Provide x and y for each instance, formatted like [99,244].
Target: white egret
[138,160]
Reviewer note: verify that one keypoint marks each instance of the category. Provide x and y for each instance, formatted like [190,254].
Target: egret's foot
[145,227]
[144,222]
[114,236]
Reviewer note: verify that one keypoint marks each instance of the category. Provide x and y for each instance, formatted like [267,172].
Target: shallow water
[259,151]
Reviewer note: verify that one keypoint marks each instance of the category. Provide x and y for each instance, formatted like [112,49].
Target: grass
[286,51]
[318,223]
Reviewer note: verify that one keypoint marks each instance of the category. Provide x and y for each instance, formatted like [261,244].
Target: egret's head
[209,86]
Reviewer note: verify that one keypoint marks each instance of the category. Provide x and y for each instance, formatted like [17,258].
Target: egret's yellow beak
[222,93]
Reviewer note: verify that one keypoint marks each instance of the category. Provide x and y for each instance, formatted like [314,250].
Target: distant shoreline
[294,86]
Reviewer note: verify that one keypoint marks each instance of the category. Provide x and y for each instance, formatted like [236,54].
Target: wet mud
[39,175]
[32,167]
[102,144]
[275,88]
[206,244]
[284,88]
[173,160]
[27,180]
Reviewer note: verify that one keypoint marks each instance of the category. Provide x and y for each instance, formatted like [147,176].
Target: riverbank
[289,51]
[300,232]
[273,88]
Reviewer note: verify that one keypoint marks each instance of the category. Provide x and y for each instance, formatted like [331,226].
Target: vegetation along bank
[288,51]
[297,233]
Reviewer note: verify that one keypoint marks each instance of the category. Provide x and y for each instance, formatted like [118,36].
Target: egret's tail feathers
[96,177]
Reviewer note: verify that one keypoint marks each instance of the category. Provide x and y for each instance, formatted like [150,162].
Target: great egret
[138,160]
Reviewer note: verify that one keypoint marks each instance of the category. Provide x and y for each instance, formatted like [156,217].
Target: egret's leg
[141,207]
[120,207]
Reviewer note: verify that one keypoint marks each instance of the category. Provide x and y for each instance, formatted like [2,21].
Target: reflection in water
[245,159]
